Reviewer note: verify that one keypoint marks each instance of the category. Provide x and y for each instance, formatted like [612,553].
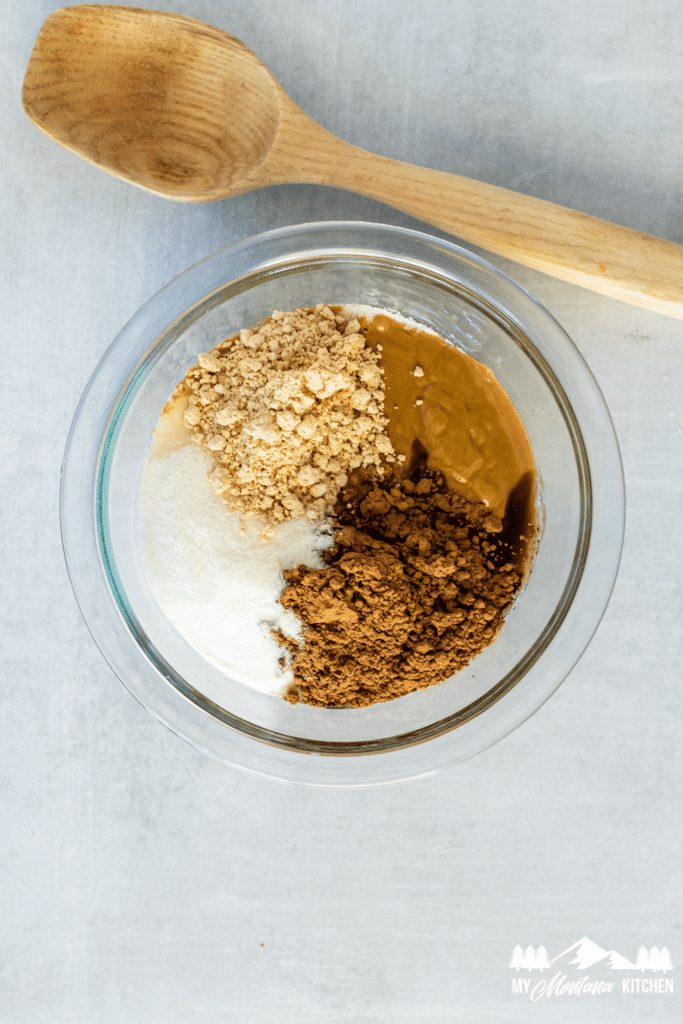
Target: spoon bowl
[190,113]
[163,101]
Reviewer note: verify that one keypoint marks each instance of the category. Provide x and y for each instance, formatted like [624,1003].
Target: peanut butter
[448,411]
[457,410]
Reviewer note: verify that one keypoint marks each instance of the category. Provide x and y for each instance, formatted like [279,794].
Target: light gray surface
[144,883]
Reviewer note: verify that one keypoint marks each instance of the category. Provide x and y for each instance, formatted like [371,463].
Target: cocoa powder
[414,588]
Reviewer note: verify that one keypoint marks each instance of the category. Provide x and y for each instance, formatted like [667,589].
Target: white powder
[216,582]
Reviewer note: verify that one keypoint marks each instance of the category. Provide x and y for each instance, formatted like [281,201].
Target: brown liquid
[465,426]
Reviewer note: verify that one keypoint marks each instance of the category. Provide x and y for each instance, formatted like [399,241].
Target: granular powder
[212,574]
[287,412]
[414,588]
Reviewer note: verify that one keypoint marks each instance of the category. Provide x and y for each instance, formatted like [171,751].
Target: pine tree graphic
[653,959]
[529,958]
[541,958]
[517,960]
[643,959]
[664,963]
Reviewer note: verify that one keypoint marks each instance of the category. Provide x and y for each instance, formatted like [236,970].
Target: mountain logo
[586,954]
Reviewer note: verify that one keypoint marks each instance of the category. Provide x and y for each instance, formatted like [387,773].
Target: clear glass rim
[92,439]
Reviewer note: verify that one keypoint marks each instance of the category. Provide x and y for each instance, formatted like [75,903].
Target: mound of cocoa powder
[413,589]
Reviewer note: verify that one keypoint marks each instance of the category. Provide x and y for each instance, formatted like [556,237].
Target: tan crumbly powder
[287,411]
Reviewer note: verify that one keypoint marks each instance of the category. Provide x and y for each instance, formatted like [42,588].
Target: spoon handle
[575,247]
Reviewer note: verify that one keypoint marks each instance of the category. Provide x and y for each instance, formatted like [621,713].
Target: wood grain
[189,112]
[163,101]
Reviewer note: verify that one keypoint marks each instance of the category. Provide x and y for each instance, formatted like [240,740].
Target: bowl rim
[84,513]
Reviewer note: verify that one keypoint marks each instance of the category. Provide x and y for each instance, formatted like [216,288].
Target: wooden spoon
[187,111]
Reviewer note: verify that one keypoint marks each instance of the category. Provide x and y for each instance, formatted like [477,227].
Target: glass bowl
[470,304]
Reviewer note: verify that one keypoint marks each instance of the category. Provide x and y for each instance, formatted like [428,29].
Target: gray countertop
[143,882]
